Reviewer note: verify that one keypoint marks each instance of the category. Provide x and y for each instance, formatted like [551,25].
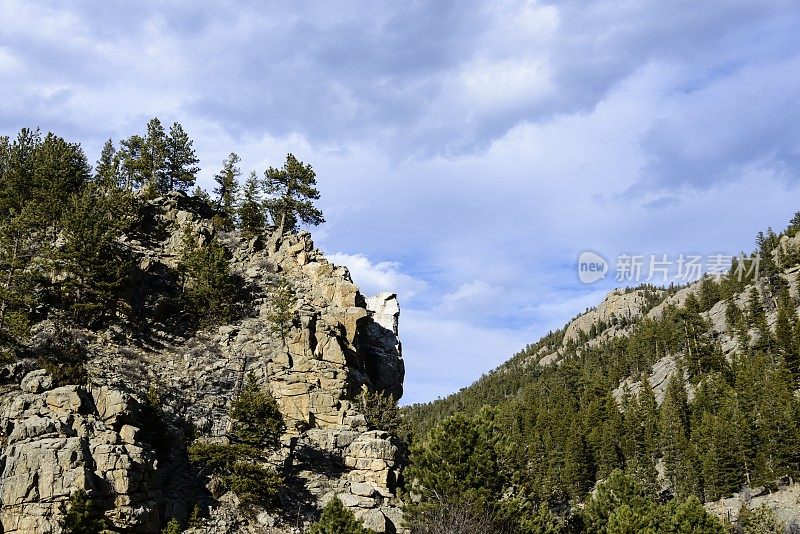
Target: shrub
[173,527]
[336,519]
[80,517]
[380,409]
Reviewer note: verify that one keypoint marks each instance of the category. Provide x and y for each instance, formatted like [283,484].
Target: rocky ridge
[102,437]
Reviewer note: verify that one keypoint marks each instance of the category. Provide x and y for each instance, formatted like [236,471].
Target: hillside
[166,361]
[691,392]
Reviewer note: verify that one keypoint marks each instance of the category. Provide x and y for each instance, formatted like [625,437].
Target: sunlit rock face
[108,439]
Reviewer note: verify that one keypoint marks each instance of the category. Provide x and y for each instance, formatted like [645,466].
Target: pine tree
[281,311]
[674,431]
[757,318]
[690,516]
[762,520]
[251,214]
[454,464]
[784,337]
[95,263]
[133,162]
[258,422]
[336,519]
[18,250]
[208,287]
[292,189]
[173,527]
[196,519]
[79,517]
[616,491]
[155,156]
[228,187]
[180,161]
[107,171]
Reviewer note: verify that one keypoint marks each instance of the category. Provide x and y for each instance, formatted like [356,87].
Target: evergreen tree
[80,517]
[95,264]
[107,170]
[616,491]
[258,422]
[674,430]
[292,188]
[173,527]
[208,286]
[133,162]
[784,337]
[18,250]
[227,189]
[336,519]
[180,161]
[380,410]
[626,520]
[196,519]
[281,311]
[256,429]
[455,464]
[762,520]
[690,517]
[251,215]
[154,157]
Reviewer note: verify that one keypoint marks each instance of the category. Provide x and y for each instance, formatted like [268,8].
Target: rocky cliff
[155,386]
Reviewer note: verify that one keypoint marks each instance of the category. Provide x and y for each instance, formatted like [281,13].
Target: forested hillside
[688,397]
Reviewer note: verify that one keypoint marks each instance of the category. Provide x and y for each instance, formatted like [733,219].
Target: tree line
[63,226]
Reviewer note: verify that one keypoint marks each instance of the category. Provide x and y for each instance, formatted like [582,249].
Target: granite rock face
[101,438]
[60,440]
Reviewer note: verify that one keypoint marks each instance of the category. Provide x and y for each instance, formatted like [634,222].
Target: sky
[467,152]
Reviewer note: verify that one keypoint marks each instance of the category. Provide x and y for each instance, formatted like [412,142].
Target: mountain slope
[692,391]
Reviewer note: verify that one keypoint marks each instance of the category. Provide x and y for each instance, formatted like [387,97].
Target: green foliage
[180,161]
[18,273]
[761,520]
[80,517]
[208,286]
[617,491]
[63,355]
[158,162]
[620,505]
[380,409]
[227,190]
[251,213]
[253,483]
[258,422]
[455,465]
[336,519]
[95,265]
[292,188]
[107,171]
[196,519]
[257,425]
[173,527]
[281,310]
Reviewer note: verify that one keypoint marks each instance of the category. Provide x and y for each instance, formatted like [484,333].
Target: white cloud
[383,276]
[467,155]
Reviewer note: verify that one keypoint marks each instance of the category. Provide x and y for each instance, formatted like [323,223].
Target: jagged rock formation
[104,437]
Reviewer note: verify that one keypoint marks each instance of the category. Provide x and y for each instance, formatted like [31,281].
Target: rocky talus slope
[123,436]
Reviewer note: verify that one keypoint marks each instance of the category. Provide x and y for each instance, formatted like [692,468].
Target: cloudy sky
[467,152]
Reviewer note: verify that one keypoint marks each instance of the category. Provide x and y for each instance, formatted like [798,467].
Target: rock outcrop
[59,440]
[102,438]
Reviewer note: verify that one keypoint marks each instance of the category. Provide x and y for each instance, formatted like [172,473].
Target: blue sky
[467,152]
